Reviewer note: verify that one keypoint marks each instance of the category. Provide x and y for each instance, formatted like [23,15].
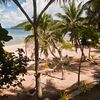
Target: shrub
[44,65]
[64,96]
[11,66]
[85,88]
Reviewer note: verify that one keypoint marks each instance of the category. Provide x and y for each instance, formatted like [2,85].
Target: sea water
[18,35]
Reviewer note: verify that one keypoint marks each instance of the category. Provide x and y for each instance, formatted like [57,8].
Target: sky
[11,15]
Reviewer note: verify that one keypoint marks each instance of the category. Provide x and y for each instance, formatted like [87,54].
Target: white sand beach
[70,77]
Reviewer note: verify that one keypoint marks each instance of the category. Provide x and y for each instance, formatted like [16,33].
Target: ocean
[18,36]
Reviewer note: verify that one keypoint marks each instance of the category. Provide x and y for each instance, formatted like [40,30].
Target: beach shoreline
[13,48]
[70,53]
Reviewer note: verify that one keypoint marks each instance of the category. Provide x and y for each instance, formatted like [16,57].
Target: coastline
[70,53]
[13,48]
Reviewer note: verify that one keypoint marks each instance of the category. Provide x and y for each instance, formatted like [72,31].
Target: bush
[11,66]
[85,88]
[64,96]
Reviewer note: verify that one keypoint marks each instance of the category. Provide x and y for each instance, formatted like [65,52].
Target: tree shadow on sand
[97,74]
[16,94]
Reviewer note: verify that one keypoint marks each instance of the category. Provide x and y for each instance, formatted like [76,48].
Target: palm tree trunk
[89,51]
[34,24]
[83,55]
[60,55]
[79,70]
[82,50]
[26,50]
[37,74]
[61,65]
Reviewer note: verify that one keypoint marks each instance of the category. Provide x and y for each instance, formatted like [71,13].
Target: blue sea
[18,36]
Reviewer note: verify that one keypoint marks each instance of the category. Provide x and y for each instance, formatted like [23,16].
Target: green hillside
[21,25]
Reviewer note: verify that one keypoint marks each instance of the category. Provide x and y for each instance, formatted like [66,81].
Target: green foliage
[92,8]
[98,46]
[64,96]
[4,37]
[72,16]
[27,27]
[21,25]
[45,21]
[11,66]
[85,88]
[89,33]
[66,45]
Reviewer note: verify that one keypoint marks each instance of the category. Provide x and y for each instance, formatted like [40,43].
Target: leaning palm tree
[45,36]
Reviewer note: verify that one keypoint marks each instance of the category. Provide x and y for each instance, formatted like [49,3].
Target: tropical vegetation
[10,64]
[48,36]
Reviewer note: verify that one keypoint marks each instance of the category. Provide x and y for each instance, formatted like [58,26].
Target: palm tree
[45,36]
[50,39]
[71,19]
[34,23]
[73,22]
[93,12]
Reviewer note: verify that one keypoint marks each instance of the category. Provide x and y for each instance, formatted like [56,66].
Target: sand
[13,48]
[70,77]
[70,53]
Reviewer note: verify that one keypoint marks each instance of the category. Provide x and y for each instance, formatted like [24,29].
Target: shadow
[15,93]
[50,91]
[97,74]
[53,76]
[21,96]
[96,50]
[74,67]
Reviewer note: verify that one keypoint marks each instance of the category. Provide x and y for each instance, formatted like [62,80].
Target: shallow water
[18,36]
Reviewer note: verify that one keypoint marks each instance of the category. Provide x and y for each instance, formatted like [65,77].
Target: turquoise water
[18,36]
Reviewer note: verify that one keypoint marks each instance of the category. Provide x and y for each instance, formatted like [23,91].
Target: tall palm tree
[72,21]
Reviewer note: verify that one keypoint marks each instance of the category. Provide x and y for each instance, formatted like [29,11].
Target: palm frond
[4,1]
[29,39]
[58,1]
[28,27]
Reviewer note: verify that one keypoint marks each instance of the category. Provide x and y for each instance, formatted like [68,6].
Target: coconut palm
[71,19]
[73,22]
[45,36]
